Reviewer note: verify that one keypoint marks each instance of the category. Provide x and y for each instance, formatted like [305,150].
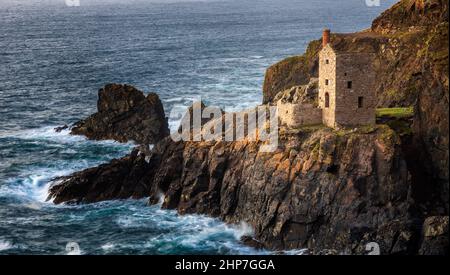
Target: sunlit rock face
[411,65]
[321,188]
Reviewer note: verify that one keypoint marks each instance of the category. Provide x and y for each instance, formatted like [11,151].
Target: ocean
[53,60]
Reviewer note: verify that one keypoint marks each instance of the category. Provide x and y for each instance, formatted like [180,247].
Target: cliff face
[290,72]
[400,37]
[411,45]
[411,13]
[430,127]
[321,189]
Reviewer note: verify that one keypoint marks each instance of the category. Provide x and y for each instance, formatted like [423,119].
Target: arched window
[327,100]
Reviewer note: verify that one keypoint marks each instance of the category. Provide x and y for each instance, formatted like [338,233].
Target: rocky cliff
[331,191]
[411,45]
[125,114]
[404,38]
[321,189]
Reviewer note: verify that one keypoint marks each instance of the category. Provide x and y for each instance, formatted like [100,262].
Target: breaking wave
[128,226]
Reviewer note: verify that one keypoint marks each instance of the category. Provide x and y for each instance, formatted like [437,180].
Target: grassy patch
[395,112]
[398,119]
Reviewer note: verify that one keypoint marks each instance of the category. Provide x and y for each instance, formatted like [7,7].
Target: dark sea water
[54,58]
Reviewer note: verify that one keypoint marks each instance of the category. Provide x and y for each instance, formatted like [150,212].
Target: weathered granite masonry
[346,88]
[327,85]
[296,115]
[346,97]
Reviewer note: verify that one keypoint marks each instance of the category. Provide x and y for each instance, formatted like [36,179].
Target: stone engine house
[346,91]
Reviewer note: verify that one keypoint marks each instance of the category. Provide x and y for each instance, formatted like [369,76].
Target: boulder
[125,114]
[435,236]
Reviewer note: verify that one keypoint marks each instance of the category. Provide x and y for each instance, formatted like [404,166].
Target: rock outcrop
[125,114]
[400,37]
[331,191]
[119,179]
[290,72]
[411,45]
[435,236]
[320,189]
[305,94]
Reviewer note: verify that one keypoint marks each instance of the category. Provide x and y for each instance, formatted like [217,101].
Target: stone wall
[296,115]
[327,71]
[348,106]
[341,104]
[357,68]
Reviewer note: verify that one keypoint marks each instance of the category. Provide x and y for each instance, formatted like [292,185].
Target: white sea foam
[5,245]
[295,252]
[161,198]
[242,229]
[32,205]
[49,133]
[34,183]
[193,232]
[108,246]
[34,187]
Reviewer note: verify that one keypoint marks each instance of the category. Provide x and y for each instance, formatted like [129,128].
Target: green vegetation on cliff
[395,112]
[292,71]
[410,40]
[411,44]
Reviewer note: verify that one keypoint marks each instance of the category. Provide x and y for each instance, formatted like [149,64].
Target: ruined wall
[327,71]
[296,115]
[358,69]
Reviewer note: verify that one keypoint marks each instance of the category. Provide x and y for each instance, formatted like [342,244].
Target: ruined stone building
[346,93]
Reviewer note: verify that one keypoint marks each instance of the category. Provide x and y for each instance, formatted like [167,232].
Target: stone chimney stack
[326,37]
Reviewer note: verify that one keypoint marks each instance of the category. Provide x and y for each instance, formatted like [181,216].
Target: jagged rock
[321,189]
[430,123]
[435,236]
[187,120]
[198,119]
[61,128]
[125,114]
[119,179]
[305,94]
[252,242]
[330,191]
